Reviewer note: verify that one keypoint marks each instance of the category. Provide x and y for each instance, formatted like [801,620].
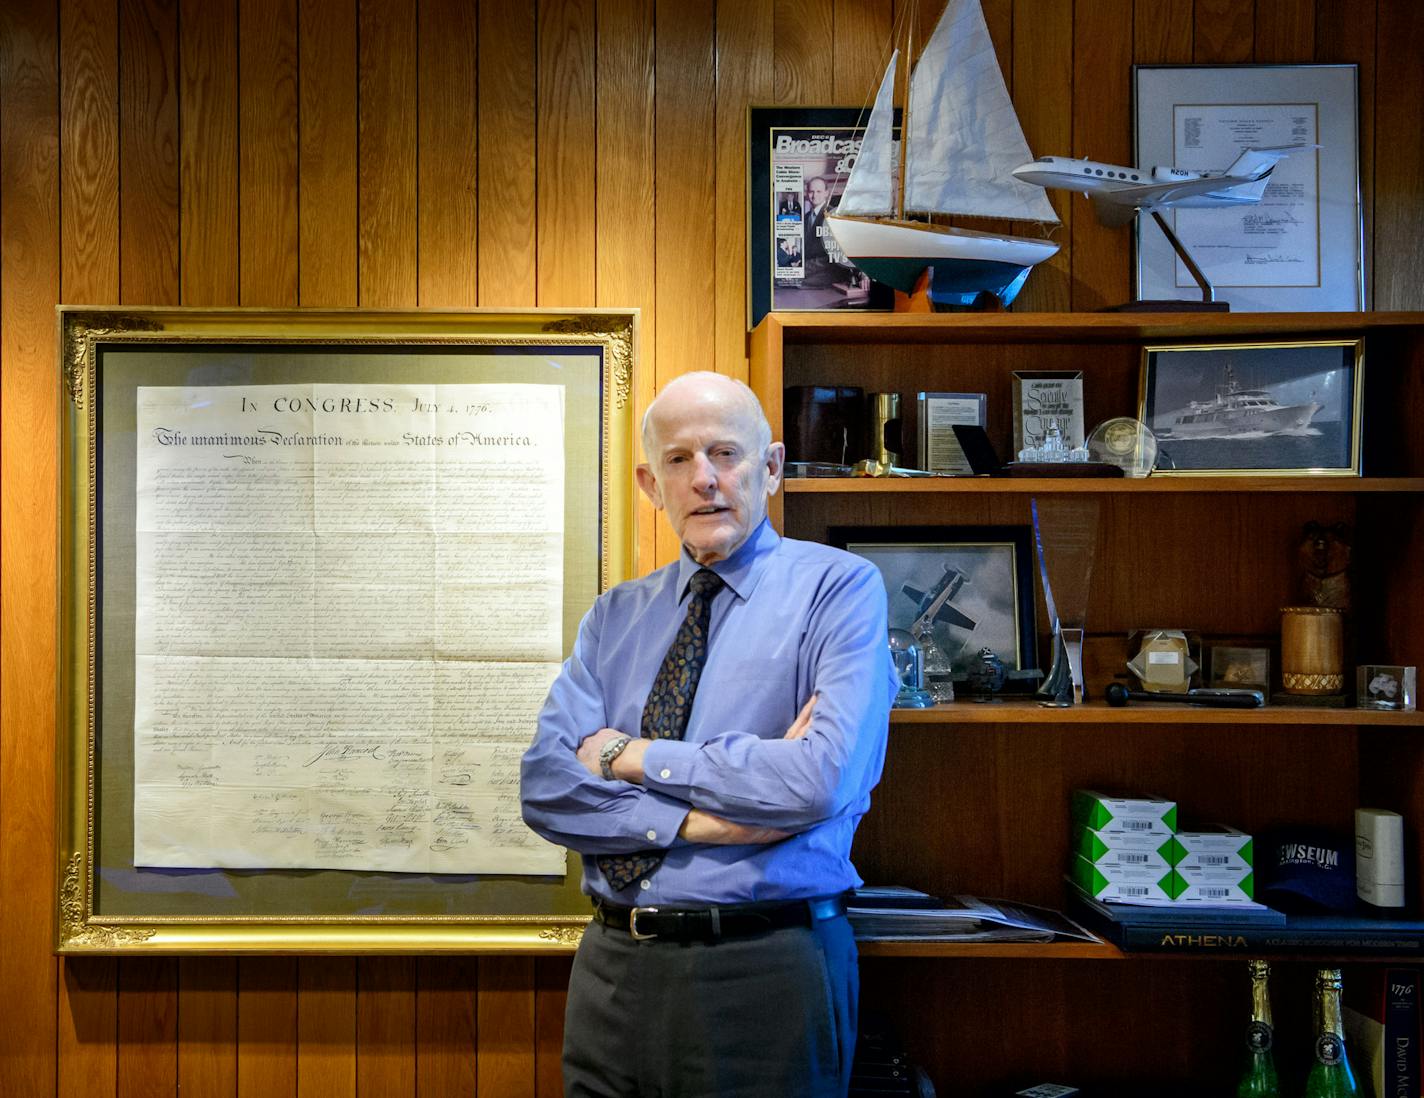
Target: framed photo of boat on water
[798,161]
[1255,409]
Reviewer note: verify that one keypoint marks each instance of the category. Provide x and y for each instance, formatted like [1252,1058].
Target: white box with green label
[1215,847]
[1144,849]
[1115,815]
[1122,883]
[1215,885]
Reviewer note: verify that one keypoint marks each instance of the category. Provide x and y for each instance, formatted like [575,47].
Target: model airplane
[1118,193]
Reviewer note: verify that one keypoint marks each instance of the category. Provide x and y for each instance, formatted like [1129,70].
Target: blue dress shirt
[794,619]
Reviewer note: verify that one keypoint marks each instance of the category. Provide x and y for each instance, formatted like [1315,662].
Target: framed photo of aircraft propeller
[957,589]
[1260,409]
[1282,233]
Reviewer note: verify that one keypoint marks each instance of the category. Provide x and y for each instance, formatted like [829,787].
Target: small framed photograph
[939,450]
[1384,686]
[798,161]
[1251,409]
[966,588]
[1295,244]
[1246,668]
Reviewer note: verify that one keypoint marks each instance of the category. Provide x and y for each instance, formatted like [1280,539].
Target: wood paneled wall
[447,152]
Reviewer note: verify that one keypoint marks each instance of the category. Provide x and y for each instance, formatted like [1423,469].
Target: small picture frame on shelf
[1228,665]
[1385,686]
[1254,409]
[939,450]
[974,583]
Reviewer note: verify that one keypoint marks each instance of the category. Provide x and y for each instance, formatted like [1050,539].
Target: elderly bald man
[709,748]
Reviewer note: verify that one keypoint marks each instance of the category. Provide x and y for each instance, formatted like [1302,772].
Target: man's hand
[590,747]
[703,827]
[628,766]
[802,724]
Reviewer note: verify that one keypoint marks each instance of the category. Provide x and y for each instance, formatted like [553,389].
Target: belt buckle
[633,930]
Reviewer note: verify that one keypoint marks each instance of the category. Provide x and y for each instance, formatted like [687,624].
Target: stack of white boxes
[1128,849]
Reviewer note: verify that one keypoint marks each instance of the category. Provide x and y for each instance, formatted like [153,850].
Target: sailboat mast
[910,20]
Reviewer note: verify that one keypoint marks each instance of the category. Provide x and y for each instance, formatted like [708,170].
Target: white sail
[871,186]
[965,139]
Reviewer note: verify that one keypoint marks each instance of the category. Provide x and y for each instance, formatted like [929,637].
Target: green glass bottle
[1259,1079]
[1330,1077]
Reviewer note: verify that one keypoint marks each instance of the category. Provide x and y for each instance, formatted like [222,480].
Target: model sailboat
[962,142]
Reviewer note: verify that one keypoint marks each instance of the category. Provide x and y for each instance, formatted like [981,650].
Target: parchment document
[1275,242]
[349,607]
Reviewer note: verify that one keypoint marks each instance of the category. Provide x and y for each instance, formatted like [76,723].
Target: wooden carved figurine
[1324,556]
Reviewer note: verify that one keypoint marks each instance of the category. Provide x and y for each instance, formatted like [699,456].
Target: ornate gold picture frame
[358,377]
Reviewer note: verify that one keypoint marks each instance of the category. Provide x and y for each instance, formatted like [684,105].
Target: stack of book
[892,913]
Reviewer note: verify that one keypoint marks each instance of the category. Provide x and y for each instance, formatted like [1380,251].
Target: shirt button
[645,884]
[652,835]
[665,773]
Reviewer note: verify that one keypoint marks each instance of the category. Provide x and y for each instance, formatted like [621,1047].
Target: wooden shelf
[1071,327]
[1027,711]
[1098,485]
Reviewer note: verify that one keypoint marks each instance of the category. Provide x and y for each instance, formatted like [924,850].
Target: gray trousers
[768,1015]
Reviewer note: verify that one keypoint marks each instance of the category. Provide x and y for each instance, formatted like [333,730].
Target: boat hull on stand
[966,263]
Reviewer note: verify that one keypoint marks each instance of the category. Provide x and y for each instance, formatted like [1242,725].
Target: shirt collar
[742,570]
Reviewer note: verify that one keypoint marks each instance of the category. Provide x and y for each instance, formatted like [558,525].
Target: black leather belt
[708,924]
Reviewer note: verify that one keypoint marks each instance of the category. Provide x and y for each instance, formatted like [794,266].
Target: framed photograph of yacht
[1255,409]
[798,162]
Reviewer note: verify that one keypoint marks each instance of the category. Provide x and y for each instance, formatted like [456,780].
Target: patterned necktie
[668,707]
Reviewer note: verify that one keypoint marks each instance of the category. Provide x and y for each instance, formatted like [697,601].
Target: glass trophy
[1065,534]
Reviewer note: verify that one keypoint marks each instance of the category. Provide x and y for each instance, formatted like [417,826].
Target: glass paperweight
[909,665]
[1125,442]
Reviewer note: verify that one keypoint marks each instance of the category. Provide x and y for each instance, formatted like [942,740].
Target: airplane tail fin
[1254,167]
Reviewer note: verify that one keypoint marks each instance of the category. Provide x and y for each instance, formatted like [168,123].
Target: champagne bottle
[1259,1079]
[1330,1077]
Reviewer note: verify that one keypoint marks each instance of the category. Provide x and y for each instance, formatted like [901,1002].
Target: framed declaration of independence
[319,570]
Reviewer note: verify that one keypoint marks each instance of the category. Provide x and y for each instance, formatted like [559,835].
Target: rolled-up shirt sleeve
[793,785]
[561,800]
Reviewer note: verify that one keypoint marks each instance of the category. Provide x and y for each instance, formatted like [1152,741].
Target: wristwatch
[611,750]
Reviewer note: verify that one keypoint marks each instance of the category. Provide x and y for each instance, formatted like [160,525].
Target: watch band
[611,751]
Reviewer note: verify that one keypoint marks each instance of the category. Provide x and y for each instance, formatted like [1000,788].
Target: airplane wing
[1120,206]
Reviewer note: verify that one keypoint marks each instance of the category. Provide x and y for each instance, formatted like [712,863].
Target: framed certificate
[1299,248]
[320,568]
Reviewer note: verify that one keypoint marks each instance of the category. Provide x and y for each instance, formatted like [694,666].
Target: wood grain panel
[744,78]
[207,109]
[505,1027]
[565,156]
[1162,32]
[551,983]
[1399,166]
[624,213]
[449,35]
[803,37]
[326,1027]
[207,1027]
[860,49]
[686,153]
[270,202]
[88,1026]
[1224,31]
[327,153]
[999,17]
[1102,127]
[385,1026]
[266,1027]
[507,242]
[148,1027]
[1346,34]
[29,288]
[149,217]
[1285,31]
[1043,69]
[445,1026]
[386,111]
[89,151]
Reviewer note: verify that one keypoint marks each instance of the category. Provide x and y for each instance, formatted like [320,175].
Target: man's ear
[649,484]
[775,466]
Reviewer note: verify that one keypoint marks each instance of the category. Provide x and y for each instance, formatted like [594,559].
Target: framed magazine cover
[798,161]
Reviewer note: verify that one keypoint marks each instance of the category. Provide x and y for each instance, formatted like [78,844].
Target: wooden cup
[1312,650]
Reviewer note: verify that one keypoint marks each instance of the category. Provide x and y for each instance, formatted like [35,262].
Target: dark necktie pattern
[669,705]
